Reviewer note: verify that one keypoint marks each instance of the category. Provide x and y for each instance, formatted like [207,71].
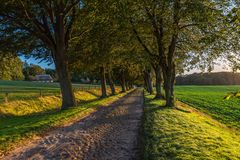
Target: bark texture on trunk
[145,83]
[103,82]
[148,79]
[127,86]
[158,75]
[61,62]
[111,83]
[123,82]
[68,99]
[169,87]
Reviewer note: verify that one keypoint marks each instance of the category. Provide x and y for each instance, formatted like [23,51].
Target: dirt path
[111,133]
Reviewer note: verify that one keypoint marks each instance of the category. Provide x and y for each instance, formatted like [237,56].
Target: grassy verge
[18,127]
[209,99]
[186,133]
[22,106]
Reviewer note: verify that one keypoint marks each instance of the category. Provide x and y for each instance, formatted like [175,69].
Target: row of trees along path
[126,42]
[123,43]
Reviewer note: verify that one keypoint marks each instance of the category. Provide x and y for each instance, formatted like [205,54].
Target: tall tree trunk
[123,82]
[148,78]
[68,99]
[61,62]
[157,70]
[111,83]
[103,83]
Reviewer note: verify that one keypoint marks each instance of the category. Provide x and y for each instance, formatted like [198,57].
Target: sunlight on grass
[176,134]
[24,119]
[44,104]
[209,99]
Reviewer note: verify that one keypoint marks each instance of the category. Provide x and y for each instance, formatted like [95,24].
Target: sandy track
[111,133]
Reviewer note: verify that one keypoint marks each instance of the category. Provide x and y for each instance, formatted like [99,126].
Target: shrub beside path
[110,133]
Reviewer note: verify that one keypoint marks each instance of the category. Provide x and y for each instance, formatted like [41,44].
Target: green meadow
[210,100]
[204,126]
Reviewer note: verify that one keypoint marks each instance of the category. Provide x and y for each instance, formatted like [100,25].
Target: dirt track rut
[111,133]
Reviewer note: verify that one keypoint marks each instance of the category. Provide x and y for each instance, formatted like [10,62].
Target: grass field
[24,117]
[28,90]
[209,99]
[24,97]
[186,133]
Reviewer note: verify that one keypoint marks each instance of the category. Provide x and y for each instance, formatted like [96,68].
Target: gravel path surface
[111,133]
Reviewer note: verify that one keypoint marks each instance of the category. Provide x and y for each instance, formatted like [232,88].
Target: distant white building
[43,78]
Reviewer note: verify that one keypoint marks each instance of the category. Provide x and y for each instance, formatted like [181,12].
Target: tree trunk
[148,78]
[103,83]
[111,83]
[145,83]
[123,82]
[127,86]
[157,70]
[169,87]
[61,62]
[131,86]
[68,99]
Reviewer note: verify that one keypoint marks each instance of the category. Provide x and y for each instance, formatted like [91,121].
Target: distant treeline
[218,78]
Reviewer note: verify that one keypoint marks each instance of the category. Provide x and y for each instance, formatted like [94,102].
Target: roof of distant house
[44,76]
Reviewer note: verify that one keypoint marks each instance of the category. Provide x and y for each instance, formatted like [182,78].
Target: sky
[220,66]
[217,68]
[37,62]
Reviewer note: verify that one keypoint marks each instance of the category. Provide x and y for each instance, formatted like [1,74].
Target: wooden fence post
[40,93]
[6,97]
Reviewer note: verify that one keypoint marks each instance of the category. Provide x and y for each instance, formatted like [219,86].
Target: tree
[148,80]
[174,28]
[45,28]
[31,70]
[35,70]
[10,67]
[231,32]
[101,41]
[216,78]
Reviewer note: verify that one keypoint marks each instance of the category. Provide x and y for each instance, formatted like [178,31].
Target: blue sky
[37,62]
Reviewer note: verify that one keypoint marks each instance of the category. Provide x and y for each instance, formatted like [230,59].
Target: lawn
[22,118]
[186,134]
[209,99]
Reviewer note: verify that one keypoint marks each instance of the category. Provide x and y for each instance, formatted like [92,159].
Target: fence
[8,94]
